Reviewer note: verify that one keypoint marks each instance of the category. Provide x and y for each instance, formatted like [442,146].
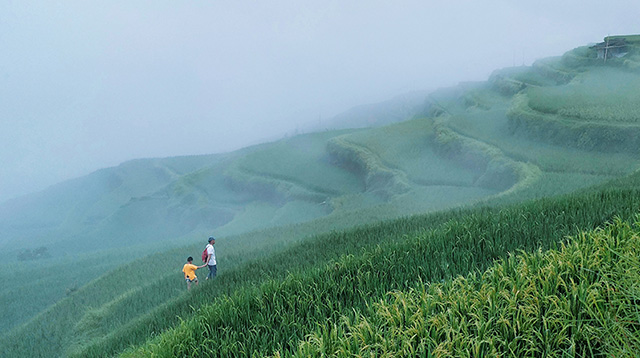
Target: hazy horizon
[87,86]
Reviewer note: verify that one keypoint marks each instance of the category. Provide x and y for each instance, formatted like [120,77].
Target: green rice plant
[562,131]
[476,99]
[580,300]
[605,95]
[276,190]
[409,148]
[498,171]
[491,126]
[594,112]
[505,85]
[24,299]
[376,175]
[278,168]
[581,59]
[397,161]
[265,267]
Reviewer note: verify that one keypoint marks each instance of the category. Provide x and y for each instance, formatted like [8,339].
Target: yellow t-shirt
[189,271]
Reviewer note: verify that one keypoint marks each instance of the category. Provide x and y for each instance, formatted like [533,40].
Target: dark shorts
[213,270]
[190,280]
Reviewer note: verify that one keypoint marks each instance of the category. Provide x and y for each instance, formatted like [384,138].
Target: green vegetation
[326,240]
[277,315]
[579,301]
[597,110]
[604,94]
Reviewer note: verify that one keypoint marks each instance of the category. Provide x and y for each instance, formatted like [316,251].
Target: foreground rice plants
[579,301]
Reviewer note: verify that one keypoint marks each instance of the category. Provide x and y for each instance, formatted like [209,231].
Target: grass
[578,301]
[596,111]
[277,315]
[492,128]
[301,160]
[591,136]
[23,298]
[414,155]
[603,95]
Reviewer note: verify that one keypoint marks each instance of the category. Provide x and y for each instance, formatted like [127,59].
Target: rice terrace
[498,218]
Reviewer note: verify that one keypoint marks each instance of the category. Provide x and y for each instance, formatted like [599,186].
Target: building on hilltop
[611,48]
[615,46]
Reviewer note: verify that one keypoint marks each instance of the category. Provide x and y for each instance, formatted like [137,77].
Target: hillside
[318,227]
[556,303]
[369,263]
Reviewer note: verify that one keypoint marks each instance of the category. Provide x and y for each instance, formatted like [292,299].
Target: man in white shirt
[211,259]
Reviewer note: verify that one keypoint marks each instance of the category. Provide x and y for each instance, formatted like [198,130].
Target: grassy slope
[567,168]
[277,315]
[579,301]
[64,215]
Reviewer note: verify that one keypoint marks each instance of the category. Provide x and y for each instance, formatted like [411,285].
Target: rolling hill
[314,231]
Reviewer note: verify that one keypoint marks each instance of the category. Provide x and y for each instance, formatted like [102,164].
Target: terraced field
[319,229]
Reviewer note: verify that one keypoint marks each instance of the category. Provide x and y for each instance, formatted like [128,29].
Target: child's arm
[202,266]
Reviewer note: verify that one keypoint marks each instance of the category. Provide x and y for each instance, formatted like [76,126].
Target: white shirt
[211,251]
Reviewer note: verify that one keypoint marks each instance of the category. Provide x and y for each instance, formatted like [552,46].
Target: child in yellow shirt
[189,270]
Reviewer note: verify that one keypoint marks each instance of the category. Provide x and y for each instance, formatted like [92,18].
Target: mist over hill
[170,199]
[129,203]
[420,172]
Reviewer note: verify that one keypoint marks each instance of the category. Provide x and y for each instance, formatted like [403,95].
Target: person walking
[189,270]
[211,259]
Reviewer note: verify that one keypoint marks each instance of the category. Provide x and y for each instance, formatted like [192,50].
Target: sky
[86,85]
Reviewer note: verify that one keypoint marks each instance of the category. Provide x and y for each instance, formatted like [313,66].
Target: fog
[87,85]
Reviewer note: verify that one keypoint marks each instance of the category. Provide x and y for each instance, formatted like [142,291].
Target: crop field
[563,169]
[605,95]
[408,239]
[596,111]
[274,318]
[301,160]
[415,155]
[113,333]
[521,306]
